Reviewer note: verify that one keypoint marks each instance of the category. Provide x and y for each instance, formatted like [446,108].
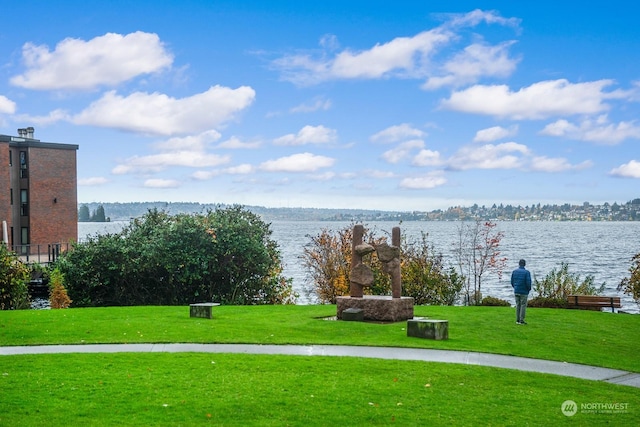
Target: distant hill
[629,211]
[126,211]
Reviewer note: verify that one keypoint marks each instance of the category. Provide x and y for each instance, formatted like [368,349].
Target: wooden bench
[594,302]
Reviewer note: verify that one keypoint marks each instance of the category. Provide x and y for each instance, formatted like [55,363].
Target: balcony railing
[40,254]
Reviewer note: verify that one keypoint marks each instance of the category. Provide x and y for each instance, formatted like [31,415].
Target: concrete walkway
[593,373]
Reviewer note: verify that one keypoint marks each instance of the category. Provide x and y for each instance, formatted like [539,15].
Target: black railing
[40,254]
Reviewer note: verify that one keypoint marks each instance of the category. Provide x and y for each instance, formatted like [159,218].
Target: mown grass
[593,338]
[161,389]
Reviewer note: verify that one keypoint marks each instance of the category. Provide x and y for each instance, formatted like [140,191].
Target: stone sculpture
[361,275]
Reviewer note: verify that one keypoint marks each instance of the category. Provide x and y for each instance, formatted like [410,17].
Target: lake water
[601,249]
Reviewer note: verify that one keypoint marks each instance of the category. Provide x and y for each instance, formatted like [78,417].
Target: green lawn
[230,389]
[593,338]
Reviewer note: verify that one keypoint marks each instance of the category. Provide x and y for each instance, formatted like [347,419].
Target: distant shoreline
[629,211]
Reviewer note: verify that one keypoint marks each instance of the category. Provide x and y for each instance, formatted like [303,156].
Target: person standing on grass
[521,283]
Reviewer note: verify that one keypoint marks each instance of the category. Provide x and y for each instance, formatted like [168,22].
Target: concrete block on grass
[353,314]
[202,309]
[428,328]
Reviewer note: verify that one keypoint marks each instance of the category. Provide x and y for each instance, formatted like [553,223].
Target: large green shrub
[225,256]
[560,283]
[14,279]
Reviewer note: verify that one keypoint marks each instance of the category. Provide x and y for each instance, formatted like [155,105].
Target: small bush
[631,285]
[58,297]
[560,283]
[547,302]
[424,276]
[495,302]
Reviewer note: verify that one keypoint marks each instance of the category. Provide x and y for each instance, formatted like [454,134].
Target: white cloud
[161,183]
[494,133]
[400,56]
[92,181]
[234,143]
[405,57]
[242,169]
[427,158]
[191,142]
[308,135]
[402,150]
[598,131]
[316,105]
[159,114]
[538,101]
[325,176]
[426,182]
[627,170]
[303,162]
[53,117]
[478,16]
[397,133]
[560,127]
[205,175]
[7,106]
[557,164]
[378,174]
[106,60]
[474,62]
[158,162]
[188,151]
[500,156]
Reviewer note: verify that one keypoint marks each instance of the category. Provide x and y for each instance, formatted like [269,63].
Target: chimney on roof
[26,132]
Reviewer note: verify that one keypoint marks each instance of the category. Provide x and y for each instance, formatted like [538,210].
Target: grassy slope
[231,389]
[600,339]
[161,389]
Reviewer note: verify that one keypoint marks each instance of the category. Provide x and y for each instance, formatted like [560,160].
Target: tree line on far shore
[98,215]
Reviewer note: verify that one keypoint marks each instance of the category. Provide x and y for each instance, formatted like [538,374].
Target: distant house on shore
[38,194]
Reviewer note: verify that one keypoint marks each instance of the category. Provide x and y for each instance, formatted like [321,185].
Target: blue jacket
[521,281]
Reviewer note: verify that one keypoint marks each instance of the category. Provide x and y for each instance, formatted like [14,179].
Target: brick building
[38,193]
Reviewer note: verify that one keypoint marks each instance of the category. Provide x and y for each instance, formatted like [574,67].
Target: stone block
[428,328]
[354,314]
[378,308]
[202,309]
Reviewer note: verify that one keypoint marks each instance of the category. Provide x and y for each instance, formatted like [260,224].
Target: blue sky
[403,105]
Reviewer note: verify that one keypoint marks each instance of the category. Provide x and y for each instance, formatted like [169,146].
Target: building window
[23,164]
[11,196]
[10,158]
[24,202]
[24,239]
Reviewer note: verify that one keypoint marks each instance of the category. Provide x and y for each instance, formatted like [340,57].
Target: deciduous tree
[477,252]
